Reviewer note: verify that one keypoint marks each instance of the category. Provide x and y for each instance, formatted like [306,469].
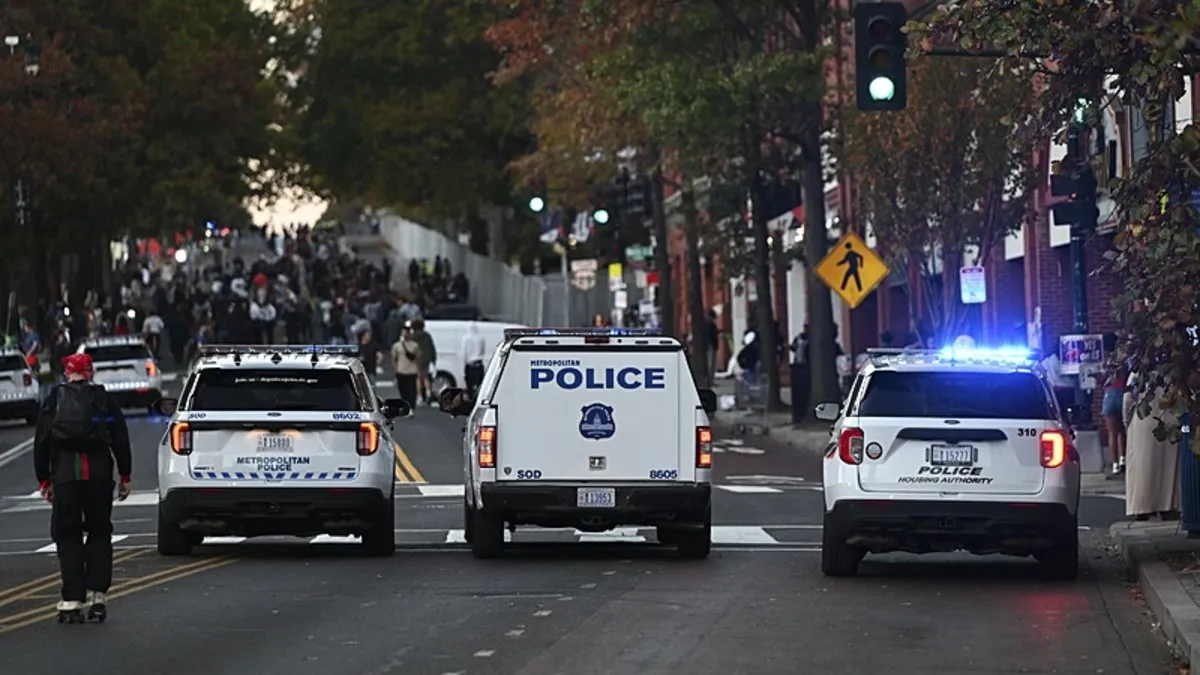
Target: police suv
[18,387]
[277,440]
[126,368]
[962,449]
[590,429]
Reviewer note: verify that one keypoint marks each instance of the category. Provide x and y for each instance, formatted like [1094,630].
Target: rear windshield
[955,396]
[118,353]
[275,390]
[8,363]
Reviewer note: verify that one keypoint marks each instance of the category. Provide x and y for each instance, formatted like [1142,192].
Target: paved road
[557,605]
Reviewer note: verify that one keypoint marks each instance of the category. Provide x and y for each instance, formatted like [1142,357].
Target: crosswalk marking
[442,490]
[749,489]
[53,548]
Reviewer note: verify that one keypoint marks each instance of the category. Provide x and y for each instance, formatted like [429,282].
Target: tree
[952,173]
[1139,54]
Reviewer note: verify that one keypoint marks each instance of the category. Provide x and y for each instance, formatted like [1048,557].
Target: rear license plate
[952,455]
[275,442]
[596,498]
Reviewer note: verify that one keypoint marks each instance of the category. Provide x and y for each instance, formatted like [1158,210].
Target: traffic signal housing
[1079,186]
[880,69]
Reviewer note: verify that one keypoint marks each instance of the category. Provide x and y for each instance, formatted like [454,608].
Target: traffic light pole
[566,275]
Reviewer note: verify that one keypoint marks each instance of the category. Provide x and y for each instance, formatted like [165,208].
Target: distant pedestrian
[406,354]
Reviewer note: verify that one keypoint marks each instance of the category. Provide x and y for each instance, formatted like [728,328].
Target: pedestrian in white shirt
[474,351]
[152,329]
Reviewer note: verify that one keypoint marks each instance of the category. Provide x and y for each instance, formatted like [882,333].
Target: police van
[19,388]
[277,440]
[126,368]
[958,449]
[590,429]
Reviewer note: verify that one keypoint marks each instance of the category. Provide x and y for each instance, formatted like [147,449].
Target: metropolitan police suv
[126,368]
[590,429]
[277,440]
[18,387]
[961,449]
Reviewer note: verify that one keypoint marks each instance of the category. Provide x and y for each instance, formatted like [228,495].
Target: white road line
[53,548]
[621,534]
[749,489]
[442,490]
[15,452]
[742,536]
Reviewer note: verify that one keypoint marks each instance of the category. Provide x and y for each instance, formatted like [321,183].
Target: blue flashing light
[211,225]
[1005,355]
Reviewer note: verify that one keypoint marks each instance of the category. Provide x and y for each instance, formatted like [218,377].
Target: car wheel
[696,544]
[1061,563]
[838,559]
[487,534]
[380,540]
[172,541]
[666,535]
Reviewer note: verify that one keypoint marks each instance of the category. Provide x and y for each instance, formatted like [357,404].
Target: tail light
[368,439]
[487,447]
[181,438]
[703,448]
[1054,449]
[151,369]
[28,380]
[850,446]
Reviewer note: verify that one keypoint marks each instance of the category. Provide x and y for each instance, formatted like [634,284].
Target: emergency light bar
[11,351]
[1016,356]
[514,333]
[315,350]
[115,340]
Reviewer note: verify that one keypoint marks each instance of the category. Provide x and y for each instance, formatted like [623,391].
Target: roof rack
[513,333]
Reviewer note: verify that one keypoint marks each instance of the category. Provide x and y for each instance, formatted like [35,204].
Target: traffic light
[600,216]
[880,77]
[1078,185]
[537,204]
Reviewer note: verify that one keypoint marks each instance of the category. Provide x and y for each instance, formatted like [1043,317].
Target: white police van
[590,429]
[126,368]
[958,449]
[277,440]
[19,388]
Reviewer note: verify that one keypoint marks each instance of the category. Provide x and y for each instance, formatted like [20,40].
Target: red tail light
[181,438]
[704,448]
[28,380]
[151,369]
[1054,449]
[368,439]
[487,447]
[850,446]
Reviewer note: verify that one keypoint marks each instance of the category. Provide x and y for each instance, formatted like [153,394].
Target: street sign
[852,270]
[638,253]
[583,274]
[972,282]
[1081,354]
[616,277]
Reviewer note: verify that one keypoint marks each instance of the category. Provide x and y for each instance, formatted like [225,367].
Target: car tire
[667,535]
[487,534]
[468,521]
[172,541]
[696,544]
[1061,563]
[838,559]
[32,420]
[380,540]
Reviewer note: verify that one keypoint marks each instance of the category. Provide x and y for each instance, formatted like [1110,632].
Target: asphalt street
[561,602]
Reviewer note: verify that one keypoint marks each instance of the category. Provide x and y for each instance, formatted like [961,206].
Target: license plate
[274,442]
[596,498]
[952,455]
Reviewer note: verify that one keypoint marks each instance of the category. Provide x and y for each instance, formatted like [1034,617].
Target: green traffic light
[600,216]
[536,204]
[882,89]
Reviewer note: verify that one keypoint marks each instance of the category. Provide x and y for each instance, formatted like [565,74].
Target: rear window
[275,390]
[9,363]
[955,396]
[118,353]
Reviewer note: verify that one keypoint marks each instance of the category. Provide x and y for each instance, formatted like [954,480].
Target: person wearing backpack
[81,435]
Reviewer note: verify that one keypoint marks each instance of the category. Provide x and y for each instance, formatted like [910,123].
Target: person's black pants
[800,390]
[406,386]
[83,506]
[473,377]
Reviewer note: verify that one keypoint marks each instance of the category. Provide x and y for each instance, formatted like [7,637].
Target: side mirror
[708,400]
[828,412]
[454,401]
[166,406]
[396,407]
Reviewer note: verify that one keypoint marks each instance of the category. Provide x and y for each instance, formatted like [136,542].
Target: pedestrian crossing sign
[852,270]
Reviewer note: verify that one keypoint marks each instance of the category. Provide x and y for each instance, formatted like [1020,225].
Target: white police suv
[959,449]
[590,429]
[126,368]
[18,387]
[277,440]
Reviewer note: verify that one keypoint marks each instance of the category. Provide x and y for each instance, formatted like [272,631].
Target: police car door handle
[464,429]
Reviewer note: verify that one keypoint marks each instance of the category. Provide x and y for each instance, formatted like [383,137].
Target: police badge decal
[597,422]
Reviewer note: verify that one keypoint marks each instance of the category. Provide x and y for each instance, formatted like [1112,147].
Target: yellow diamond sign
[852,270]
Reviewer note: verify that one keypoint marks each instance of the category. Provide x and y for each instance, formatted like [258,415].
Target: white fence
[500,291]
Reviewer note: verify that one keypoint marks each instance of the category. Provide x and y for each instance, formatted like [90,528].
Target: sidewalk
[1166,563]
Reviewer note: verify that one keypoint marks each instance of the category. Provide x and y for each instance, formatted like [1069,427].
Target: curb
[1174,607]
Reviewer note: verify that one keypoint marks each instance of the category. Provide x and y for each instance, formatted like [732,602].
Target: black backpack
[80,416]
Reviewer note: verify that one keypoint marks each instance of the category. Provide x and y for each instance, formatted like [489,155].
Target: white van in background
[448,338]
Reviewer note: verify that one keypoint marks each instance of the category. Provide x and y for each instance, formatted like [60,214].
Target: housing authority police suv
[277,441]
[590,429]
[955,450]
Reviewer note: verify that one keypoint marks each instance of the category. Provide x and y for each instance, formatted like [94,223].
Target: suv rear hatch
[15,378]
[591,409]
[269,426]
[122,363]
[957,432]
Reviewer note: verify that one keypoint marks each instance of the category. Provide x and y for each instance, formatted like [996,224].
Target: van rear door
[594,409]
